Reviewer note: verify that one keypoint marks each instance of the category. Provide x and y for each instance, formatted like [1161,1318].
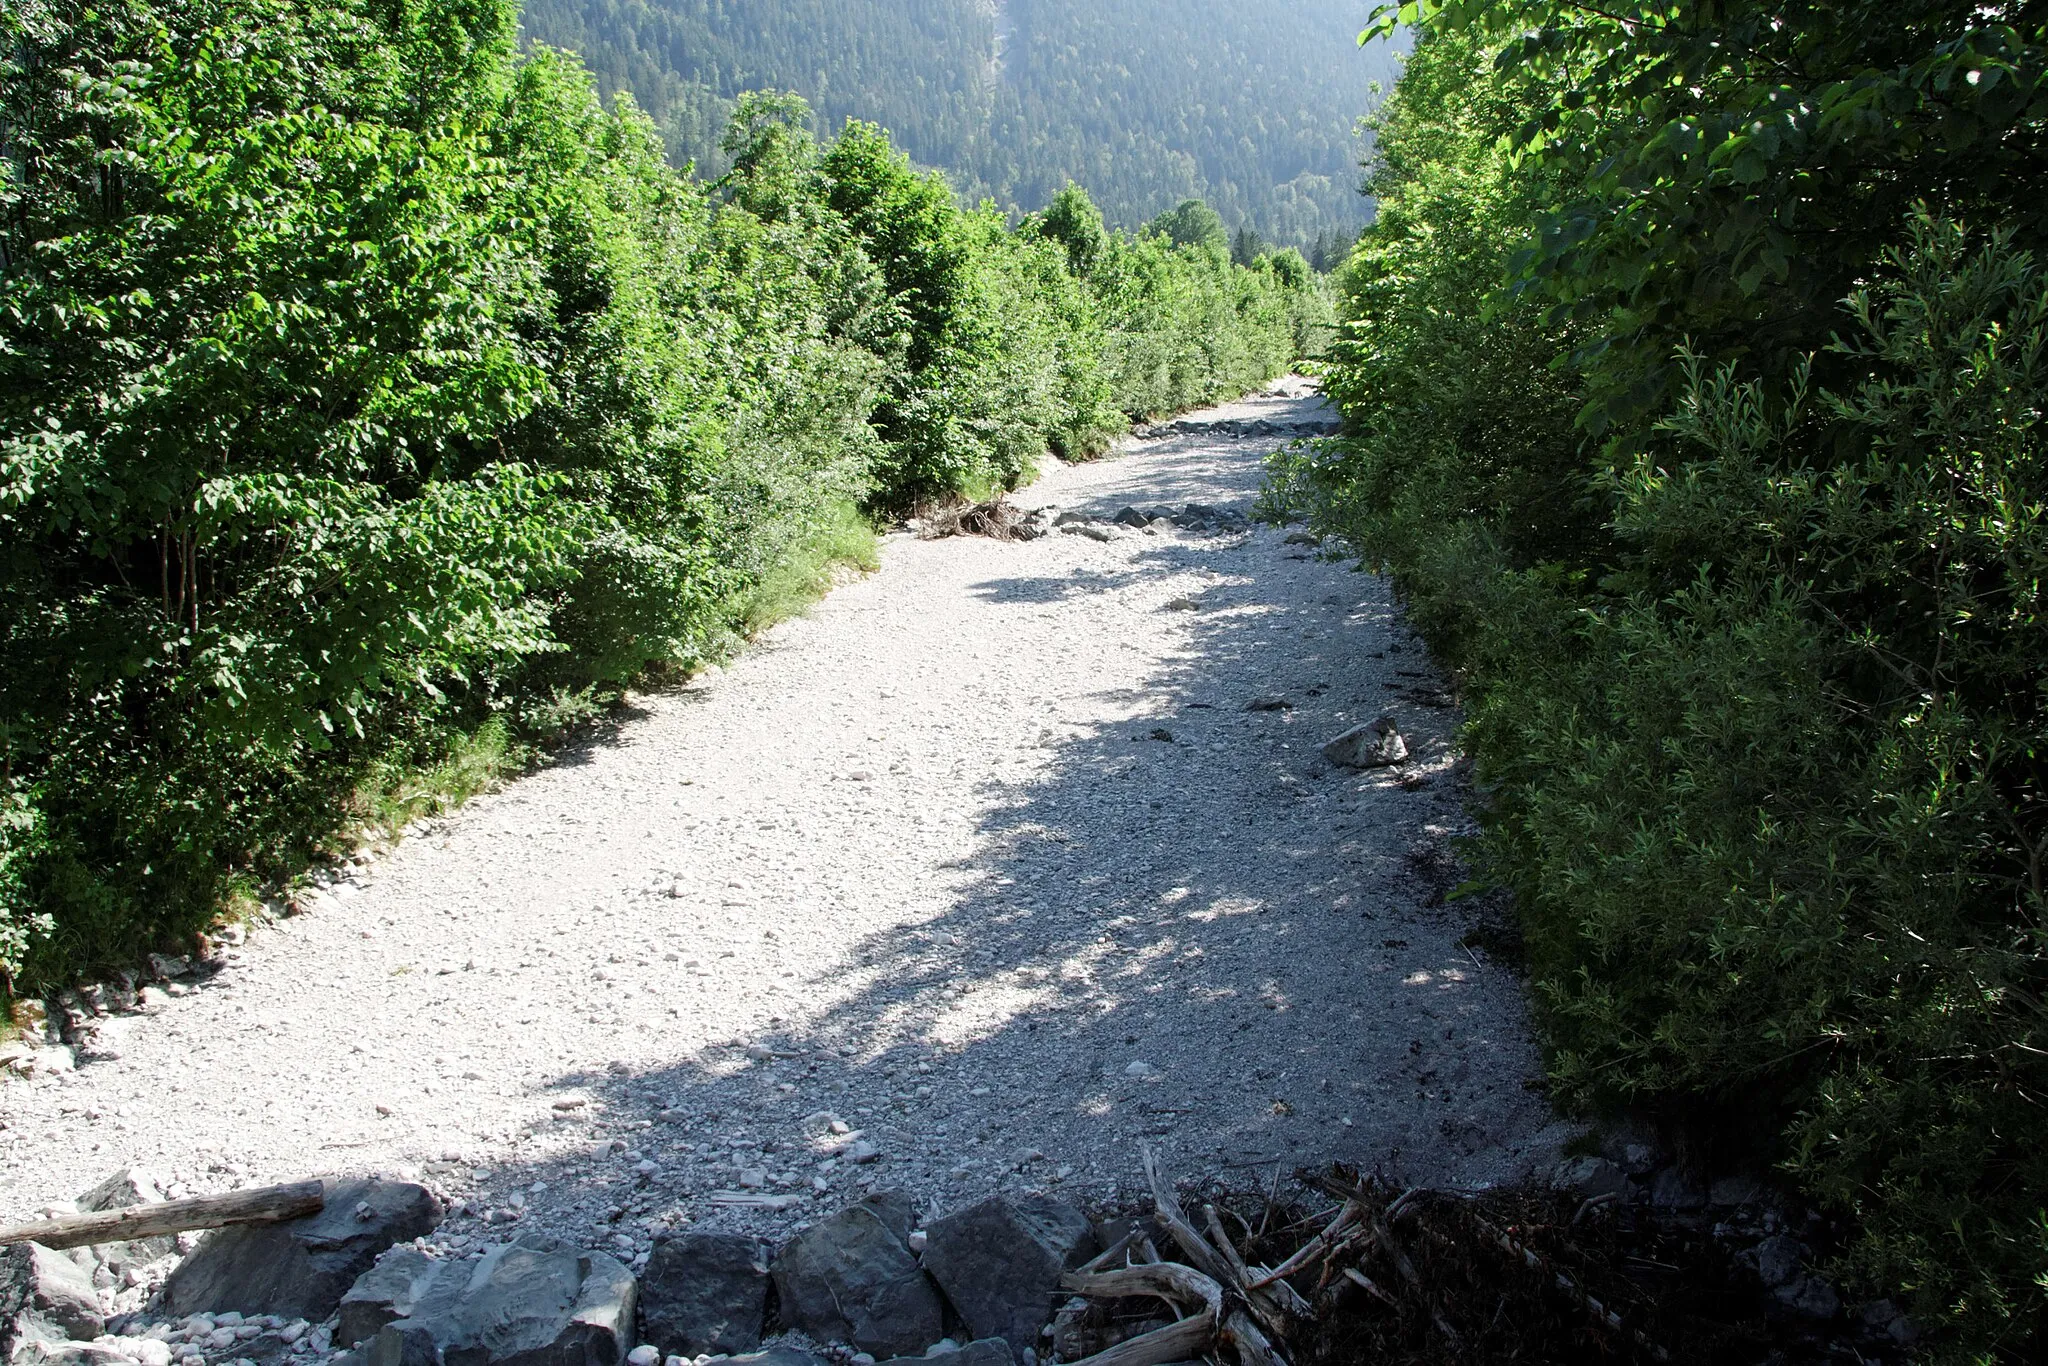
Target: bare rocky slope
[972,879]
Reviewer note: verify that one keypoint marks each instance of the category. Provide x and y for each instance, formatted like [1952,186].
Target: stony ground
[983,859]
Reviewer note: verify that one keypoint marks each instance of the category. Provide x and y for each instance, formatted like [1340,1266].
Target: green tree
[1191,223]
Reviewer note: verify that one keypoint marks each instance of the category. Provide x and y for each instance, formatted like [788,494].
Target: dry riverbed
[974,878]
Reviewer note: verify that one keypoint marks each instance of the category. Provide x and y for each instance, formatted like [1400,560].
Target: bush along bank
[374,402]
[1694,379]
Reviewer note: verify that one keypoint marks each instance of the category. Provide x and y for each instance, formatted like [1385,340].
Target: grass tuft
[845,539]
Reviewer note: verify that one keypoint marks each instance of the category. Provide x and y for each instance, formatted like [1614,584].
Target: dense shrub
[1696,408]
[372,397]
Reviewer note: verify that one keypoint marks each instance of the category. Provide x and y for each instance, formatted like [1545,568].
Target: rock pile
[1239,427]
[1197,518]
[359,1284]
[1010,1281]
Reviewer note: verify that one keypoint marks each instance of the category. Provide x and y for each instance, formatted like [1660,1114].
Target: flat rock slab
[537,1301]
[705,1293]
[300,1269]
[44,1298]
[851,1278]
[1000,1263]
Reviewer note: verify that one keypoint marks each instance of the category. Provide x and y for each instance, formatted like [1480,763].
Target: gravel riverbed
[976,877]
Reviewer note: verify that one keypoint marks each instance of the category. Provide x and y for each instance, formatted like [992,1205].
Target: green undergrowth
[844,541]
[1695,404]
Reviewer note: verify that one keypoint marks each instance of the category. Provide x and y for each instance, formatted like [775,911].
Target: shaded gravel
[977,876]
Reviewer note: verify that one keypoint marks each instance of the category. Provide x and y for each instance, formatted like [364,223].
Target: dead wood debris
[998,519]
[1382,1275]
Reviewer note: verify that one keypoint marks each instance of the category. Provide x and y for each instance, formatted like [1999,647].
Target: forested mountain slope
[1251,107]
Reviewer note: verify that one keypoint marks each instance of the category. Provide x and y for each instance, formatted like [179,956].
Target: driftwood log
[263,1205]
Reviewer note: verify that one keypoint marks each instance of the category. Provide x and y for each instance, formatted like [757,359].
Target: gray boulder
[386,1292]
[705,1293]
[1588,1177]
[125,1189]
[1810,1297]
[1000,1263]
[44,1298]
[1778,1259]
[301,1268]
[1736,1190]
[40,1353]
[851,1278]
[537,1301]
[1376,744]
[1673,1188]
[1130,516]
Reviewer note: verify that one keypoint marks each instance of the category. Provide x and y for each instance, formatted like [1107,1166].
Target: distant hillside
[1145,102]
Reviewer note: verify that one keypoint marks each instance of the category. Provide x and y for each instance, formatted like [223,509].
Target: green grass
[394,793]
[845,539]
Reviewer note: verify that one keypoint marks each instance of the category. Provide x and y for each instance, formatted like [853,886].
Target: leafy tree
[1072,220]
[1191,223]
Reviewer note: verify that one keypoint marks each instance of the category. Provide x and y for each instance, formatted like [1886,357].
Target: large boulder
[851,1278]
[300,1269]
[386,1292]
[1000,1263]
[537,1301]
[125,1189]
[44,1298]
[704,1293]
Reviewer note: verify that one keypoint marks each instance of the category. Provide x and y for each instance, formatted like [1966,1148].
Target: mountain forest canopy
[1252,108]
[374,401]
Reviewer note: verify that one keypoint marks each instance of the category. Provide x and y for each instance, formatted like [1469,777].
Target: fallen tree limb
[1109,1254]
[1323,1243]
[1370,1286]
[1168,1281]
[1251,1344]
[1182,1341]
[1168,1211]
[1542,1265]
[1272,1301]
[263,1205]
[1384,1236]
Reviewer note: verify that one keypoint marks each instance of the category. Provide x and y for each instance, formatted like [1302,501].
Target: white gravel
[913,864]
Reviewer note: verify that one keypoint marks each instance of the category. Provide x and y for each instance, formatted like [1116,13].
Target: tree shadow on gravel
[1182,930]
